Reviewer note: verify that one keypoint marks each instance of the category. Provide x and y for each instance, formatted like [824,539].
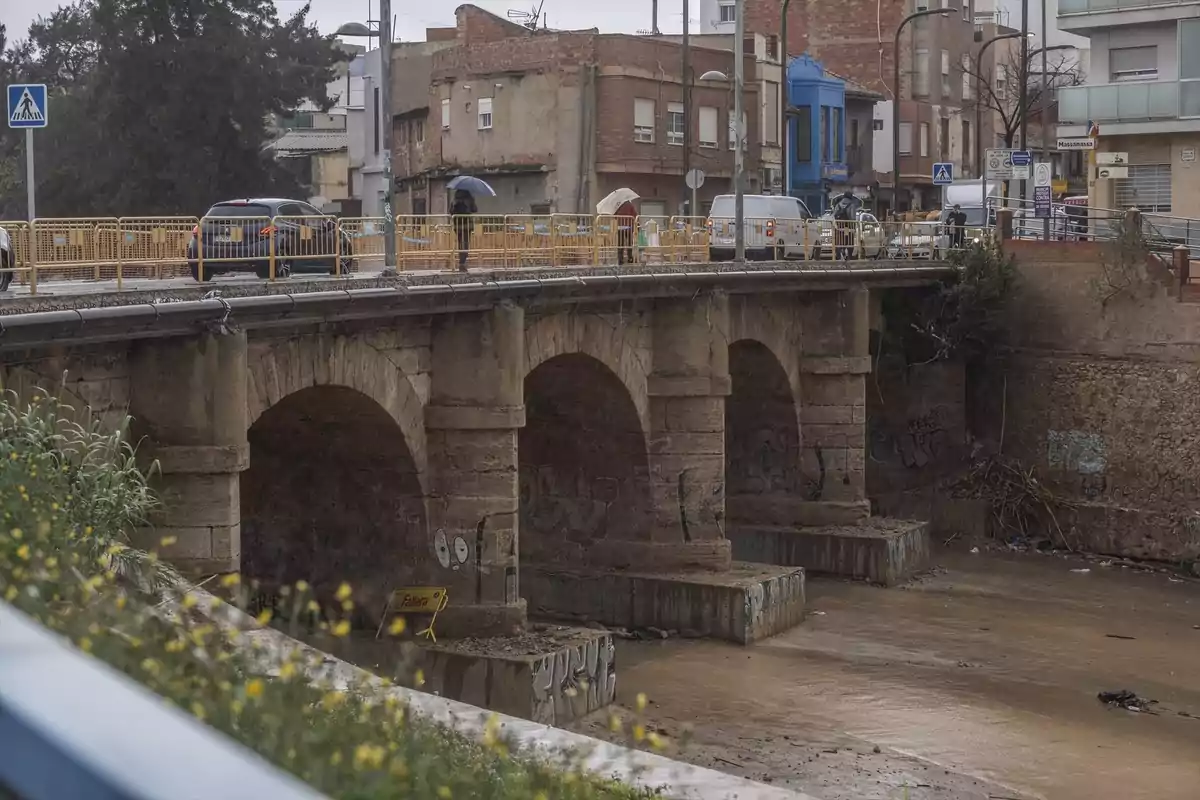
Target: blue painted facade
[817,135]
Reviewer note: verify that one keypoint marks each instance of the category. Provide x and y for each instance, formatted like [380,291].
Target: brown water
[978,681]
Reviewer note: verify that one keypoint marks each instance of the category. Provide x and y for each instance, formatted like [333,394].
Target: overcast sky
[617,16]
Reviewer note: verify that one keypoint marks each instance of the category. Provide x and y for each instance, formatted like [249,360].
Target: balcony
[1146,103]
[1080,16]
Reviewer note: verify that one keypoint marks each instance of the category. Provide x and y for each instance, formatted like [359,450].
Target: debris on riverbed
[1128,700]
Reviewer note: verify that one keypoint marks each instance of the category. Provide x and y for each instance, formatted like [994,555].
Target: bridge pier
[188,400]
[475,409]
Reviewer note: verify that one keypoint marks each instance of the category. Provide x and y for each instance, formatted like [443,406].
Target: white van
[773,224]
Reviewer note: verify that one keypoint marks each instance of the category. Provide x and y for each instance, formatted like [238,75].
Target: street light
[979,115]
[739,200]
[944,12]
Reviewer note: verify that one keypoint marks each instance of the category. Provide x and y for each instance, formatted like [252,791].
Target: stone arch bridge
[520,446]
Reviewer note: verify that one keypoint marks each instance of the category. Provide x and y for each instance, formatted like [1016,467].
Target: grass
[71,493]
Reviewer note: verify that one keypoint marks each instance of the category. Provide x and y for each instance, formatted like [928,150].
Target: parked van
[773,224]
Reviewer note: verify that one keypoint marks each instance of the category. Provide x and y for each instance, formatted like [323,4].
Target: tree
[162,106]
[998,88]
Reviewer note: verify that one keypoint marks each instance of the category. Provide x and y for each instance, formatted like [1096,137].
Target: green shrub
[71,494]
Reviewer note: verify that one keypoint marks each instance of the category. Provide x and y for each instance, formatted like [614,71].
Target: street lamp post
[739,198]
[385,100]
[944,12]
[979,116]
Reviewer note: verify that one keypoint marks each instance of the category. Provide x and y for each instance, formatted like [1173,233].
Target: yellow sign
[1058,186]
[415,600]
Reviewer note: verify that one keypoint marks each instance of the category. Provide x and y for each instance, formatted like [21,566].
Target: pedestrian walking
[461,211]
[626,217]
[957,220]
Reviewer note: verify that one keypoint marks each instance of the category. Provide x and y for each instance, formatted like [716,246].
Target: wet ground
[977,681]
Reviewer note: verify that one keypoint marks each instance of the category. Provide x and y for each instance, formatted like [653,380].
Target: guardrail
[74,727]
[121,248]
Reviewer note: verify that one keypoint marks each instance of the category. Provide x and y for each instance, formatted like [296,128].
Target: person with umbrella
[619,204]
[465,187]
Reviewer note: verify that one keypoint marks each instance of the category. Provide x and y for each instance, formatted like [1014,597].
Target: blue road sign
[1041,202]
[27,105]
[1022,158]
[943,174]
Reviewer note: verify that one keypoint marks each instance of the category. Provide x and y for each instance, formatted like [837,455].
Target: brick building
[555,120]
[854,39]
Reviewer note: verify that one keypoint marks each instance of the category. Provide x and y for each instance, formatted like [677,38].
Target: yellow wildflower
[167,541]
[189,600]
[85,644]
[343,592]
[369,755]
[420,676]
[301,586]
[397,627]
[342,628]
[23,552]
[264,618]
[236,707]
[313,606]
[444,792]
[16,533]
[287,671]
[641,701]
[655,740]
[10,593]
[254,688]
[198,710]
[336,758]
[639,732]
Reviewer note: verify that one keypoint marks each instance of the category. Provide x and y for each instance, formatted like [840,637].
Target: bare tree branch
[999,85]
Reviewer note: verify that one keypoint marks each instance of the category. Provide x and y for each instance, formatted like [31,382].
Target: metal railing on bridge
[140,248]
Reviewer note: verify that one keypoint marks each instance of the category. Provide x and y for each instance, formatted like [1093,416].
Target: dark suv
[237,236]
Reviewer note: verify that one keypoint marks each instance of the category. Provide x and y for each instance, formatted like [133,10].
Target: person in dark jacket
[957,220]
[626,218]
[464,206]
[843,226]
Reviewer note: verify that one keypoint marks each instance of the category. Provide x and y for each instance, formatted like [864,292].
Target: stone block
[789,511]
[744,604]
[688,443]
[826,415]
[878,550]
[554,675]
[460,620]
[711,554]
[835,365]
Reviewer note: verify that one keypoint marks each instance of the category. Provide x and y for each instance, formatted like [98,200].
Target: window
[921,73]
[946,91]
[966,10]
[485,113]
[419,130]
[375,113]
[1133,63]
[643,120]
[420,206]
[966,142]
[854,140]
[446,115]
[838,135]
[772,47]
[905,139]
[1189,49]
[924,140]
[708,126]
[804,134]
[944,144]
[675,123]
[771,129]
[1148,187]
[727,12]
[823,132]
[966,76]
[1001,89]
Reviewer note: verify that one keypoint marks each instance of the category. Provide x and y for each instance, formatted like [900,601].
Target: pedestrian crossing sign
[943,174]
[27,105]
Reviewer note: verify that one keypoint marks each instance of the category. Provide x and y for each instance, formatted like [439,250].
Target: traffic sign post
[1041,203]
[27,109]
[1043,177]
[943,174]
[1022,160]
[694,179]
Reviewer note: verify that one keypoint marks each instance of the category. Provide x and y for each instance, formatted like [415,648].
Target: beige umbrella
[610,204]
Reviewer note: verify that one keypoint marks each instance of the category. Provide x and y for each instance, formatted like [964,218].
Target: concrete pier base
[747,603]
[879,550]
[551,674]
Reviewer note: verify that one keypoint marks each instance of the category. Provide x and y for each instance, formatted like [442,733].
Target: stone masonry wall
[1103,399]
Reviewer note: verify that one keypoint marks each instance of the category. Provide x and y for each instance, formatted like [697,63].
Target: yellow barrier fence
[529,240]
[76,249]
[424,242]
[153,247]
[21,241]
[689,239]
[607,238]
[307,244]
[573,239]
[364,236]
[230,244]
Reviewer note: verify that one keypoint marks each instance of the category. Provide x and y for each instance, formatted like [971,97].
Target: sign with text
[415,601]
[1112,159]
[1076,143]
[1043,174]
[1041,202]
[998,164]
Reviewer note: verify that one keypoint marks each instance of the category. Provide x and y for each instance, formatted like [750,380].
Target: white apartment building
[1143,91]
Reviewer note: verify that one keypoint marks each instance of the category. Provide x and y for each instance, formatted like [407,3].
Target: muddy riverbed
[977,681]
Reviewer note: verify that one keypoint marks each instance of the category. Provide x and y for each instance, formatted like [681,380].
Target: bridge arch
[584,464]
[619,342]
[334,490]
[762,425]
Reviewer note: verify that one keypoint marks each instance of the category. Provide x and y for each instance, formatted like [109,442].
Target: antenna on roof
[531,18]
